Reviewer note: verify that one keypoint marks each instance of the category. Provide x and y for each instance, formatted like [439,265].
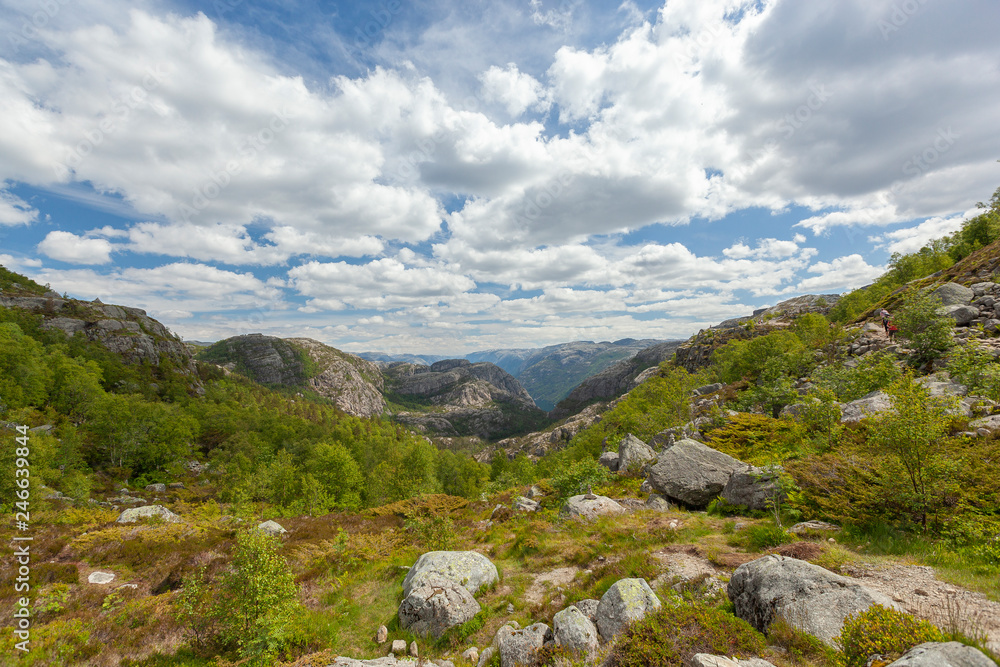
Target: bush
[578,476]
[928,333]
[673,634]
[882,630]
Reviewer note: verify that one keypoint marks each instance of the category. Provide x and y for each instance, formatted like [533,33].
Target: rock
[633,454]
[523,504]
[510,608]
[610,461]
[962,315]
[658,503]
[521,647]
[991,423]
[486,656]
[805,527]
[574,631]
[708,660]
[466,568]
[754,488]
[870,404]
[100,578]
[953,294]
[398,646]
[582,507]
[754,662]
[943,654]
[413,649]
[133,514]
[435,604]
[535,492]
[156,488]
[471,655]
[645,487]
[809,597]
[708,389]
[175,485]
[272,528]
[505,631]
[627,601]
[388,661]
[381,635]
[588,608]
[692,473]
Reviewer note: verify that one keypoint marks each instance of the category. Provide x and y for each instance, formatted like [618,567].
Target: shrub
[882,630]
[928,333]
[757,439]
[673,634]
[578,476]
[763,536]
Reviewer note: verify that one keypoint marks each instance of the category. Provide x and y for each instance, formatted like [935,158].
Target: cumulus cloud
[14,210]
[514,90]
[73,249]
[848,272]
[911,239]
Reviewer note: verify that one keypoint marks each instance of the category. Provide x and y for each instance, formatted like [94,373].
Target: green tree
[76,386]
[927,331]
[131,432]
[746,359]
[24,375]
[337,472]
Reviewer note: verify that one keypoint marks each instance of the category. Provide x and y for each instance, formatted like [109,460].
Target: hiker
[885,320]
[891,329]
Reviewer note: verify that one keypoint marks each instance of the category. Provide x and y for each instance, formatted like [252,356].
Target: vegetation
[882,631]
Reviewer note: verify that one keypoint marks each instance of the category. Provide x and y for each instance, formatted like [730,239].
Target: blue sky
[443,177]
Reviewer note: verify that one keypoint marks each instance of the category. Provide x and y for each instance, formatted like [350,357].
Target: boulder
[381,635]
[486,656]
[755,488]
[708,660]
[869,404]
[806,527]
[590,506]
[414,651]
[133,514]
[961,314]
[466,568]
[100,578]
[808,597]
[609,460]
[991,423]
[521,647]
[953,294]
[388,661]
[574,631]
[692,473]
[272,528]
[175,485]
[434,605]
[471,655]
[523,504]
[398,646]
[943,654]
[633,454]
[627,601]
[658,503]
[156,488]
[589,608]
[707,389]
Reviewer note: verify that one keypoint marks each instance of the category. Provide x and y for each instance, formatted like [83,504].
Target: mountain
[384,358]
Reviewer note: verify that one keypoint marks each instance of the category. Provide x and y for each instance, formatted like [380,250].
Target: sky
[441,177]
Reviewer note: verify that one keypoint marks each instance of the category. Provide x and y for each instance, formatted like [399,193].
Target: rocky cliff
[353,384]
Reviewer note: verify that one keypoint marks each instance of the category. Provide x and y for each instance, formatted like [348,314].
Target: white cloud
[14,210]
[843,273]
[912,239]
[73,249]
[515,90]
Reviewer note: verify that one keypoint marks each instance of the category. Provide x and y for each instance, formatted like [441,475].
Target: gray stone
[520,647]
[805,527]
[486,656]
[633,454]
[708,389]
[100,578]
[523,504]
[133,514]
[943,654]
[388,661]
[864,407]
[435,605]
[754,488]
[398,646]
[175,485]
[535,492]
[807,596]
[588,506]
[953,294]
[708,660]
[272,528]
[574,631]
[471,655]
[754,662]
[961,314]
[991,423]
[466,568]
[979,289]
[627,601]
[588,607]
[414,651]
[504,631]
[692,473]
[381,635]
[658,503]
[609,460]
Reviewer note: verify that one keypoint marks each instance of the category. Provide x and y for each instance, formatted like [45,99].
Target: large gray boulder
[943,654]
[755,488]
[609,460]
[627,601]
[633,454]
[589,608]
[692,473]
[864,407]
[272,528]
[520,647]
[953,294]
[591,506]
[808,597]
[961,314]
[466,568]
[133,514]
[388,661]
[574,631]
[436,604]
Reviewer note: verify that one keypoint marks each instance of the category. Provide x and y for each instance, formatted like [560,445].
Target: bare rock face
[943,654]
[520,648]
[633,454]
[810,598]
[354,385]
[870,404]
[627,601]
[588,506]
[435,605]
[692,473]
[466,568]
[574,631]
[953,294]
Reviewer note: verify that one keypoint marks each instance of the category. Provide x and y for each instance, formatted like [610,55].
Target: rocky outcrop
[134,514]
[943,654]
[574,631]
[754,488]
[591,506]
[466,568]
[633,454]
[627,601]
[435,604]
[614,380]
[810,598]
[866,406]
[520,648]
[538,444]
[953,294]
[691,473]
[272,528]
